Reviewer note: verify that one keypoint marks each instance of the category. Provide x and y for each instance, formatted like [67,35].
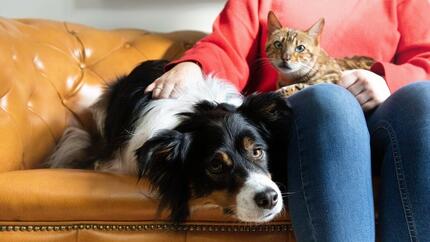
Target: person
[375,121]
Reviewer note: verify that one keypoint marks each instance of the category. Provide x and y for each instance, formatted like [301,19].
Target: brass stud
[161,227]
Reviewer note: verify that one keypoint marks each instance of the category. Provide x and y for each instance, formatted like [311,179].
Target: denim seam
[299,141]
[401,181]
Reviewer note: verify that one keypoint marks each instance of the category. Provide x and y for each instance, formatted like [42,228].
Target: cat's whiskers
[262,62]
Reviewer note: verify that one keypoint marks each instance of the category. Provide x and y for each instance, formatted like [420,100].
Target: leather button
[38,63]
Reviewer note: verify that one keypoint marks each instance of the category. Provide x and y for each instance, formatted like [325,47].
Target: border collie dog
[210,142]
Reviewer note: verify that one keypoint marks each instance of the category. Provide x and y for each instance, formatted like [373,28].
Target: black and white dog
[209,142]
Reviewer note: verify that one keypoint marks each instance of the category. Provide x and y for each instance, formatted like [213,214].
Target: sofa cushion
[78,195]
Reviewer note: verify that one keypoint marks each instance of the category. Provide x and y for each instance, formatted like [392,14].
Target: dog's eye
[216,166]
[257,153]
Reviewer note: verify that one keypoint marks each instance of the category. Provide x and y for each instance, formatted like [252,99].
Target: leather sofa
[50,73]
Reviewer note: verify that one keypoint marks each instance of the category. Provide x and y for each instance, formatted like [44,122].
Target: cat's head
[292,52]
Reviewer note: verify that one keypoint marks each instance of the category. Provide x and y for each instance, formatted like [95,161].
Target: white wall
[156,15]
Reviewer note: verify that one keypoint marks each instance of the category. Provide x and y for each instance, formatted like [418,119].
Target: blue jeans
[335,150]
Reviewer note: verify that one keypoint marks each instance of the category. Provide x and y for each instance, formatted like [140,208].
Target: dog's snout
[266,199]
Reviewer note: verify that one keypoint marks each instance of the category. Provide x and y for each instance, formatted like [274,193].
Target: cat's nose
[287,58]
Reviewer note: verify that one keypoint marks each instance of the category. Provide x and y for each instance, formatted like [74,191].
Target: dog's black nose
[266,199]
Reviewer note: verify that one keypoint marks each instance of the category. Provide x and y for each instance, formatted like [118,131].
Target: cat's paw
[291,89]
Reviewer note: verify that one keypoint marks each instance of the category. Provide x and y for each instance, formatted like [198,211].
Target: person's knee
[413,97]
[327,100]
[328,105]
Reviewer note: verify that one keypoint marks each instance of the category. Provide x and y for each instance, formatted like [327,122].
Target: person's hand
[170,83]
[369,88]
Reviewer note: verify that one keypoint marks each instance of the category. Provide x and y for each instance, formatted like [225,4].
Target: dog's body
[209,142]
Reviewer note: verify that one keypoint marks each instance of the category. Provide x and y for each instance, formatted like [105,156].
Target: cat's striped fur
[301,61]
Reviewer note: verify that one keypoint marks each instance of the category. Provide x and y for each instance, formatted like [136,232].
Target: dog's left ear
[267,110]
[161,160]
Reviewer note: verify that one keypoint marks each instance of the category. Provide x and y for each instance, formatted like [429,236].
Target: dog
[210,142]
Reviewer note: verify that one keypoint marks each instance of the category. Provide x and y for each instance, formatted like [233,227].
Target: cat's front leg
[292,89]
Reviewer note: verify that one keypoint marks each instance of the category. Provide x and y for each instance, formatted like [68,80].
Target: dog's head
[219,152]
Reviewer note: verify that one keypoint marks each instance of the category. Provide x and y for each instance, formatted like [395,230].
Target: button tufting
[38,63]
[127,45]
[82,65]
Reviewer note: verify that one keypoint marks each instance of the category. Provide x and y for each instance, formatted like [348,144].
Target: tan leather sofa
[50,72]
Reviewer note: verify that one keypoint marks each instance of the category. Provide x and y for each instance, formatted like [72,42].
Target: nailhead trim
[149,227]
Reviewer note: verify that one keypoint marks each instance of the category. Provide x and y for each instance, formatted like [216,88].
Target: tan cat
[301,61]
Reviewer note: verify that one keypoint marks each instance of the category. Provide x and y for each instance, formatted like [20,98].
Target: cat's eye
[257,153]
[277,44]
[300,48]
[216,166]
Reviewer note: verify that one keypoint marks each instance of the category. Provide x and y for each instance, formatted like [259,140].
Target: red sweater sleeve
[412,61]
[227,51]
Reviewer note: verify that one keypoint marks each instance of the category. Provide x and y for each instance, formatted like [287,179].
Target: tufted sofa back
[50,72]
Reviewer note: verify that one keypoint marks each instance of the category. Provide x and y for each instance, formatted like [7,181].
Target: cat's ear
[273,22]
[315,30]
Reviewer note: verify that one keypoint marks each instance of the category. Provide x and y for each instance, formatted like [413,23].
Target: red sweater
[394,32]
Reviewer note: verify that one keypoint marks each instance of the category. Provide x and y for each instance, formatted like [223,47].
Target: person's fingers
[177,90]
[166,91]
[363,97]
[369,105]
[156,91]
[348,78]
[150,87]
[356,88]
